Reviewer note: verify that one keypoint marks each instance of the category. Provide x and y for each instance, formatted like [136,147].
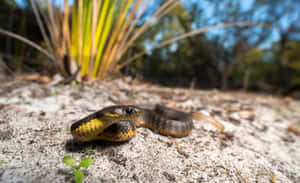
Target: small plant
[76,83]
[78,175]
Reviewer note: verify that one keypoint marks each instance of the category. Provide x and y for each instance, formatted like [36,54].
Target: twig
[198,31]
[3,64]
[27,41]
[198,116]
[71,78]
[42,28]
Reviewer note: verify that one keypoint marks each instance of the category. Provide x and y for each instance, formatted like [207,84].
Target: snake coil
[118,123]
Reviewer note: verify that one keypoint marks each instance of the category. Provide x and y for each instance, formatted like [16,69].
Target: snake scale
[118,123]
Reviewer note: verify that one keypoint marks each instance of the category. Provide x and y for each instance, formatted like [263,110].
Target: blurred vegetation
[238,57]
[16,55]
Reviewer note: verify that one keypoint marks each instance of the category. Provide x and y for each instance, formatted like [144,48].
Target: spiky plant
[97,33]
[101,31]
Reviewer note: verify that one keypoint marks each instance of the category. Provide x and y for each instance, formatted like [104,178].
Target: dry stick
[158,16]
[41,26]
[169,8]
[66,25]
[55,25]
[52,27]
[27,41]
[63,28]
[145,25]
[137,18]
[128,33]
[110,45]
[122,32]
[198,116]
[61,38]
[94,23]
[114,41]
[126,25]
[53,39]
[59,20]
[3,64]
[49,26]
[119,53]
[62,24]
[133,24]
[198,31]
[71,78]
[54,33]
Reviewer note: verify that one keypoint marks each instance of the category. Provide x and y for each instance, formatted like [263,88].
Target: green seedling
[75,83]
[78,175]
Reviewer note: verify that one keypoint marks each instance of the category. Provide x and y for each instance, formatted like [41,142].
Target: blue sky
[208,12]
[22,3]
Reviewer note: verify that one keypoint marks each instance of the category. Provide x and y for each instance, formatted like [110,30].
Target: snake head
[128,112]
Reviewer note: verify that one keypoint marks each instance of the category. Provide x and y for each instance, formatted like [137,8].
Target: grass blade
[74,34]
[40,24]
[27,41]
[146,25]
[194,32]
[103,28]
[110,50]
[87,16]
[93,45]
[79,27]
[66,31]
[124,29]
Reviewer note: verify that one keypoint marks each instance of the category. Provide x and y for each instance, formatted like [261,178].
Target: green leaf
[69,161]
[78,177]
[86,162]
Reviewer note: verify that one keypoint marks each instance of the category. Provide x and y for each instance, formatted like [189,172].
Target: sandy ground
[255,146]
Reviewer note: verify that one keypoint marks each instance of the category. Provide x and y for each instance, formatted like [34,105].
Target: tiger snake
[118,123]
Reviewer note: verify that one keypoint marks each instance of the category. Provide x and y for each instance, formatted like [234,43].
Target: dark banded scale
[118,123]
[118,132]
[167,121]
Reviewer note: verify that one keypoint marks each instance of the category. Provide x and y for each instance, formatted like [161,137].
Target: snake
[119,123]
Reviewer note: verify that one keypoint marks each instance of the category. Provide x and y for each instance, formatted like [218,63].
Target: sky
[245,6]
[208,11]
[22,3]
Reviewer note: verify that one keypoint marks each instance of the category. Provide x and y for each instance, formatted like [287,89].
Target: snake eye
[129,110]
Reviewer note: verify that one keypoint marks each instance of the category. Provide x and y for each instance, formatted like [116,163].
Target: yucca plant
[99,34]
[54,27]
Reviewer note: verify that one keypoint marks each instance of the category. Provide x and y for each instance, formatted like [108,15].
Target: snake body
[118,123]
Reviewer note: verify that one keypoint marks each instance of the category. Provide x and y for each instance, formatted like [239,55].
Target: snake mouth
[111,114]
[127,113]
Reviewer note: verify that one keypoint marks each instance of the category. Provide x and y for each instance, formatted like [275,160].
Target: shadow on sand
[76,146]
